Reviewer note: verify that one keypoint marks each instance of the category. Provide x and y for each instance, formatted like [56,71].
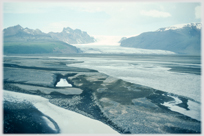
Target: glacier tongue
[93,49]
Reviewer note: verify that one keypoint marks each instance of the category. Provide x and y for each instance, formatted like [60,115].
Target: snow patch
[180,26]
[63,83]
[67,31]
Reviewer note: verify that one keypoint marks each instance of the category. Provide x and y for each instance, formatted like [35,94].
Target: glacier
[92,49]
[111,45]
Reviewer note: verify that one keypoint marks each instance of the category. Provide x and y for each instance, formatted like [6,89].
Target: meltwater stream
[173,74]
[151,71]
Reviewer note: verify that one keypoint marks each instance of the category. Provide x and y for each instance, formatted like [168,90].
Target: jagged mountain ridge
[16,29]
[19,40]
[18,33]
[68,35]
[71,36]
[181,39]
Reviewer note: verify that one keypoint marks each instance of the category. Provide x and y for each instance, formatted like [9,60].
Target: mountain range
[181,39]
[19,40]
[71,36]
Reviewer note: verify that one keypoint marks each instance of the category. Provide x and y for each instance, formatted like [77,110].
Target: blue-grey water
[175,74]
[178,74]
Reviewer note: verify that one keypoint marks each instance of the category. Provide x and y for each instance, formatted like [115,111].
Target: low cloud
[198,12]
[155,13]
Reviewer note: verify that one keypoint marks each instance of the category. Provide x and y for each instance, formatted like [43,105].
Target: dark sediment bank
[21,118]
[126,107]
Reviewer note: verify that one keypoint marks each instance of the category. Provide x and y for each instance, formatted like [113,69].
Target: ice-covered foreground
[69,122]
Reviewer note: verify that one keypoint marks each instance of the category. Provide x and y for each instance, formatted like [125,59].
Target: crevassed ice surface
[93,49]
[69,122]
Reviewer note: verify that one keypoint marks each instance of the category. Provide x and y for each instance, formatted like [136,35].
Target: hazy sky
[100,18]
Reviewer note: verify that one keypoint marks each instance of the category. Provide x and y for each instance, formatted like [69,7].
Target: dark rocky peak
[67,30]
[71,31]
[78,31]
[32,31]
[17,27]
[12,30]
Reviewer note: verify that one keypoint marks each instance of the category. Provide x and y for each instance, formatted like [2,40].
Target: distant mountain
[122,39]
[181,39]
[71,36]
[19,40]
[18,33]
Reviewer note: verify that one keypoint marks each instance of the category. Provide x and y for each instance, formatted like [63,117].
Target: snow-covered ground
[181,26]
[102,40]
[69,122]
[118,50]
[63,83]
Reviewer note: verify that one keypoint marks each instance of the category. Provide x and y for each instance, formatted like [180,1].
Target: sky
[100,18]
